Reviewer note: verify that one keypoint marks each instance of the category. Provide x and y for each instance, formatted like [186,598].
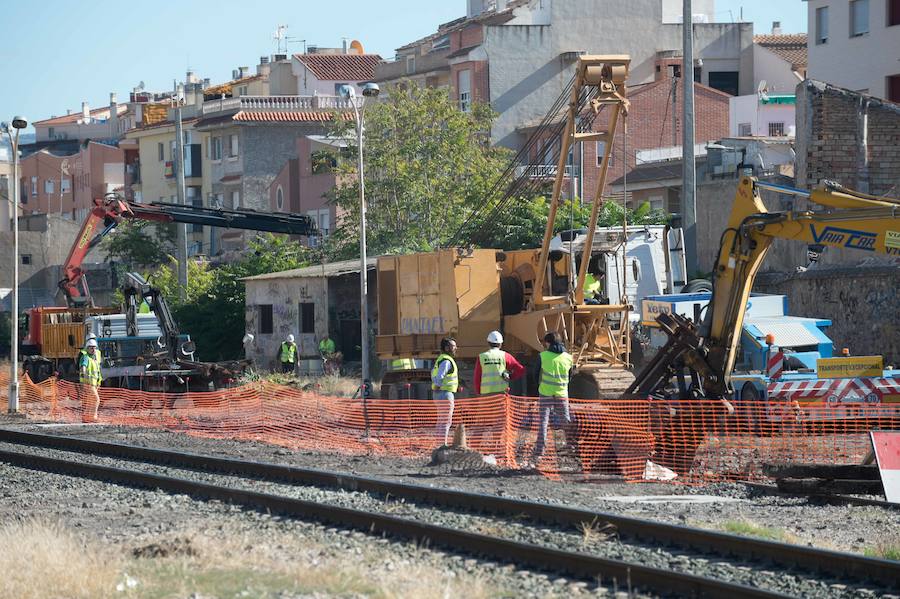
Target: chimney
[235,74]
[68,111]
[344,45]
[206,83]
[263,68]
[245,72]
[776,27]
[85,111]
[112,99]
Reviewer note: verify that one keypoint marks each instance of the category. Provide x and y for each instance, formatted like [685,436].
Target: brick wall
[471,35]
[861,302]
[654,121]
[830,139]
[480,80]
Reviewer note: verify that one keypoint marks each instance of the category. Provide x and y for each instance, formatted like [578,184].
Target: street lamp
[369,90]
[18,123]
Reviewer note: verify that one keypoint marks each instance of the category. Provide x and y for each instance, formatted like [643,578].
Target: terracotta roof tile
[791,48]
[102,112]
[286,116]
[340,67]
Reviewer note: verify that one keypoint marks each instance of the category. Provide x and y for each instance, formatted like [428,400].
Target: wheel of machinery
[697,286]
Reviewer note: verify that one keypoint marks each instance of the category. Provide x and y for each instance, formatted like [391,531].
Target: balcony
[192,163]
[276,103]
[542,171]
[424,64]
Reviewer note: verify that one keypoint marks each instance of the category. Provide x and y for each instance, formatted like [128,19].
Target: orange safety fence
[697,439]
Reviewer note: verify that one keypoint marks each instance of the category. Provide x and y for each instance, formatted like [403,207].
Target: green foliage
[427,166]
[137,243]
[522,225]
[214,312]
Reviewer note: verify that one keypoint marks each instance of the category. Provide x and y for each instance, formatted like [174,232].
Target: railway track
[829,564]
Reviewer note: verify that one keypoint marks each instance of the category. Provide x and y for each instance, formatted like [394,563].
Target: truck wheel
[697,286]
[750,408]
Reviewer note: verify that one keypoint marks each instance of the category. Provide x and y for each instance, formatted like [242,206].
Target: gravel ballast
[589,539]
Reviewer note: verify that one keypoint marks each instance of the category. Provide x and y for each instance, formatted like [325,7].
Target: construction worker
[553,388]
[83,353]
[444,384]
[90,379]
[331,359]
[495,368]
[287,355]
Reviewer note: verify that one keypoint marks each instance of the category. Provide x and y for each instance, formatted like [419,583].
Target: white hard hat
[495,337]
[92,343]
[290,338]
[91,336]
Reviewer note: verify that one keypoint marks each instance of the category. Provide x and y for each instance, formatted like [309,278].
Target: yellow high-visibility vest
[450,382]
[493,365]
[555,374]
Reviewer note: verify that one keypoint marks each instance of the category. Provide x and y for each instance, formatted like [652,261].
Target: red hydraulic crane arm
[109,211]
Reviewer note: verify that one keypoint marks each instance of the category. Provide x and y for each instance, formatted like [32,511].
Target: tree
[522,225]
[427,166]
[214,317]
[137,243]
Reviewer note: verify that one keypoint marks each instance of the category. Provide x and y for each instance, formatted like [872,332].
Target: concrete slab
[670,499]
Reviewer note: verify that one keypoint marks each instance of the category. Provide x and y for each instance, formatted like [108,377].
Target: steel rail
[785,555]
[831,498]
[573,564]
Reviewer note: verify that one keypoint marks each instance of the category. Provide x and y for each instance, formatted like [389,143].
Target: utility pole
[178,163]
[689,183]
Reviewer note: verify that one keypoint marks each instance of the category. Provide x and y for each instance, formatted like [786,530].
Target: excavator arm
[706,355]
[108,212]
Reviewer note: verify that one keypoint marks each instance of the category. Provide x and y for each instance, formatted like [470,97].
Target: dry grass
[751,529]
[596,532]
[40,560]
[329,384]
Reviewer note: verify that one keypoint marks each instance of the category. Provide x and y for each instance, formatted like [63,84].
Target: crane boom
[109,211]
[850,219]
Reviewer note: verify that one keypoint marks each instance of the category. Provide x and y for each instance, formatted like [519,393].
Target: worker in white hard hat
[90,379]
[495,368]
[83,353]
[287,355]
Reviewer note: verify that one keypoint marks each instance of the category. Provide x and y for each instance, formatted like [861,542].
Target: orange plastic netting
[700,440]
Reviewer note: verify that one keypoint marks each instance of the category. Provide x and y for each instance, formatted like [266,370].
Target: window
[34,186]
[822,25]
[235,200]
[23,191]
[776,129]
[49,186]
[215,148]
[893,88]
[65,185]
[266,326]
[601,149]
[464,83]
[279,198]
[893,13]
[161,151]
[324,222]
[307,317]
[656,202]
[26,259]
[233,145]
[859,17]
[50,133]
[745,129]
[410,64]
[724,81]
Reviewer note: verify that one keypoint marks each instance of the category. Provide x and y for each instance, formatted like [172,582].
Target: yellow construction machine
[698,359]
[466,293]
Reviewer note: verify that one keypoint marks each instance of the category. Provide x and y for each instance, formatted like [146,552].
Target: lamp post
[18,123]
[369,90]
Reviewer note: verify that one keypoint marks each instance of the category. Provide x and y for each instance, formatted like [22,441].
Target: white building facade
[856,45]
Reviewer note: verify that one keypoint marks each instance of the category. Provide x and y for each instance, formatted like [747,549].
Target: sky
[81,51]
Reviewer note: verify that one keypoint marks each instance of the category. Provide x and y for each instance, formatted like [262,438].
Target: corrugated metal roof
[788,331]
[330,269]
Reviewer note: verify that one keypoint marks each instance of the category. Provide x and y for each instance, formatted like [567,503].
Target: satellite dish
[356,47]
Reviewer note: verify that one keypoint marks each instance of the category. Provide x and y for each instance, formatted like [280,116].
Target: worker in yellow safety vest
[444,384]
[90,379]
[287,355]
[84,352]
[556,363]
[495,368]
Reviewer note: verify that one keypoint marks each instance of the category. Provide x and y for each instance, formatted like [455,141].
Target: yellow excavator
[697,361]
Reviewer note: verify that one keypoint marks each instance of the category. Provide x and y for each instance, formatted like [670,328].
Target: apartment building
[855,45]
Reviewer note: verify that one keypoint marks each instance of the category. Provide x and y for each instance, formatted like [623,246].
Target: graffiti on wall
[422,326]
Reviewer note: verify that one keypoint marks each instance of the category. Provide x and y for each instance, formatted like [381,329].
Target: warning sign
[892,239]
[841,368]
[887,452]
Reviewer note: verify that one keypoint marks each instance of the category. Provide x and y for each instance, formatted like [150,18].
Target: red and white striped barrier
[887,452]
[775,363]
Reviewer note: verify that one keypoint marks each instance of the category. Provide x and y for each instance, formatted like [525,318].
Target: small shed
[308,303]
